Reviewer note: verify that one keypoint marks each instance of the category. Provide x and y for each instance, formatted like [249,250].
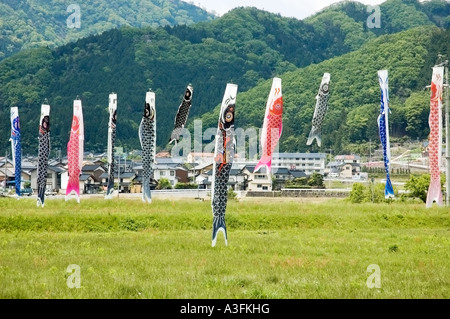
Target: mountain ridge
[30,24]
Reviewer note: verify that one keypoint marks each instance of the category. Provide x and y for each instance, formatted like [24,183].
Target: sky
[299,9]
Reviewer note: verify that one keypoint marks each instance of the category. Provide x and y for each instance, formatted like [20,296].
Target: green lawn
[127,249]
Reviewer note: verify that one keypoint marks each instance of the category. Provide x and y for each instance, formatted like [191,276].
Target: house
[6,171]
[123,180]
[100,162]
[204,180]
[163,154]
[124,164]
[165,171]
[6,174]
[88,185]
[173,174]
[297,174]
[335,169]
[169,161]
[346,165]
[283,175]
[308,162]
[197,173]
[57,163]
[280,176]
[182,175]
[95,170]
[171,170]
[235,181]
[90,179]
[259,181]
[136,186]
[26,167]
[54,181]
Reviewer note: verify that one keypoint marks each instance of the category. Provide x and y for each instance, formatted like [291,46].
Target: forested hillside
[395,16]
[33,23]
[354,103]
[247,47]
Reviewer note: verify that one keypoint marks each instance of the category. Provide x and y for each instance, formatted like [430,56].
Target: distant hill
[33,23]
[245,46]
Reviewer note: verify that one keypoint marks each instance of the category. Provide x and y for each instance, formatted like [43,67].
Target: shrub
[186,186]
[164,183]
[231,194]
[357,194]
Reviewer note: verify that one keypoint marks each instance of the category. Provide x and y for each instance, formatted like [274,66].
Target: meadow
[277,249]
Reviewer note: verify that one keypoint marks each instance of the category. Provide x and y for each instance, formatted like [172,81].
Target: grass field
[276,249]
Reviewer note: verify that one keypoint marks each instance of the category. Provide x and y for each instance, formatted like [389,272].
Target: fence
[332,193]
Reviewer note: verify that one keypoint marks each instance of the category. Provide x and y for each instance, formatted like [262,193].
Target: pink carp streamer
[273,125]
[75,150]
[435,139]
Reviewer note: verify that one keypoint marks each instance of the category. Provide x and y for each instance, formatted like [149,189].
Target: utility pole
[118,183]
[6,170]
[329,179]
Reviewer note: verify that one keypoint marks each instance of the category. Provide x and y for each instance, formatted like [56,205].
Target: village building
[308,162]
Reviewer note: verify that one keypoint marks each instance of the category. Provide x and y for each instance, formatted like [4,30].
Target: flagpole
[447,138]
[447,129]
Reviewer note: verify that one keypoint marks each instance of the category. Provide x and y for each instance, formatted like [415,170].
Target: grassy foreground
[281,250]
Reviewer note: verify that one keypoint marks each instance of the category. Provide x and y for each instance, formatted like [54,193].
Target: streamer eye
[147,110]
[46,123]
[187,95]
[229,117]
[325,88]
[16,124]
[152,113]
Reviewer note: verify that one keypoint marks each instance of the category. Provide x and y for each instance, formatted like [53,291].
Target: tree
[316,180]
[418,186]
[417,109]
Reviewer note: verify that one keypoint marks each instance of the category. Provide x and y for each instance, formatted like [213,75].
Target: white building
[308,162]
[200,158]
[165,171]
